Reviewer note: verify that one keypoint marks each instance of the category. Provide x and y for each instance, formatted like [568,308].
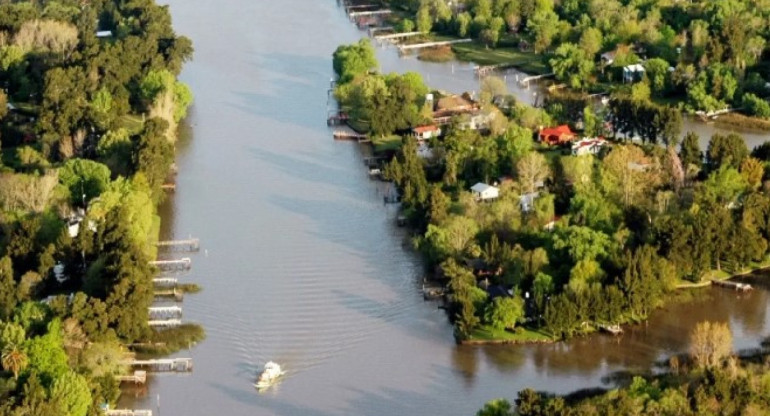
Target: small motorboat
[269,375]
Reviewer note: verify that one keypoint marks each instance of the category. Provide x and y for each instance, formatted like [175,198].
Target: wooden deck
[164,323]
[179,264]
[191,244]
[178,365]
[165,312]
[350,135]
[127,412]
[139,377]
[404,48]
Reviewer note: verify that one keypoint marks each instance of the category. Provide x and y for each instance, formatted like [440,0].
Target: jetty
[527,80]
[741,287]
[180,264]
[373,30]
[404,48]
[170,293]
[139,377]
[395,37]
[165,281]
[164,323]
[432,292]
[190,244]
[370,13]
[165,312]
[178,365]
[168,187]
[127,412]
[350,135]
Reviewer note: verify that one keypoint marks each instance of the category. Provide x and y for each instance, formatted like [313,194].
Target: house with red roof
[426,132]
[556,135]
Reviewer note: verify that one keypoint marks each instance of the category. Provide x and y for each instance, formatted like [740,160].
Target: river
[301,262]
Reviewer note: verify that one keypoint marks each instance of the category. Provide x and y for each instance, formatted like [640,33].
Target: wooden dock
[526,80]
[165,281]
[139,377]
[373,30]
[404,48]
[170,293]
[370,13]
[180,264]
[350,135]
[191,244]
[165,312]
[164,323]
[127,412]
[741,287]
[168,187]
[179,365]
[395,37]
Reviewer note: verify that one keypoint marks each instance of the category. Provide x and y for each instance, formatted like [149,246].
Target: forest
[700,55]
[88,115]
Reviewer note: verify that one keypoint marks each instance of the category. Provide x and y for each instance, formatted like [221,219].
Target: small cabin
[555,136]
[484,192]
[633,73]
[104,34]
[426,132]
[527,201]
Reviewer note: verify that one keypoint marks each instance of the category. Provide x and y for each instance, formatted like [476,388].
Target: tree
[532,169]
[424,19]
[85,179]
[627,174]
[497,407]
[8,296]
[729,150]
[504,312]
[656,71]
[14,359]
[46,354]
[690,152]
[544,26]
[492,87]
[591,42]
[756,106]
[710,343]
[582,243]
[571,65]
[72,393]
[752,170]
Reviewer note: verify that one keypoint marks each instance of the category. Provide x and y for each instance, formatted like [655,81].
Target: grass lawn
[521,335]
[383,144]
[528,62]
[132,122]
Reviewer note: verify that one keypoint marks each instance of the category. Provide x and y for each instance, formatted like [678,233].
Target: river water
[301,262]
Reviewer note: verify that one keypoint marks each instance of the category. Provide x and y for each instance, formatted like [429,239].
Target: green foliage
[353,60]
[183,97]
[729,150]
[85,179]
[46,355]
[504,312]
[72,393]
[756,106]
[571,65]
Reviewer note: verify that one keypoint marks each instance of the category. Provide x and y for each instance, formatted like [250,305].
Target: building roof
[103,33]
[598,141]
[634,68]
[557,131]
[424,129]
[481,187]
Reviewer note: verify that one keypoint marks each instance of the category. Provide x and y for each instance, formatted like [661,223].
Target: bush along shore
[708,380]
[542,226]
[704,58]
[88,120]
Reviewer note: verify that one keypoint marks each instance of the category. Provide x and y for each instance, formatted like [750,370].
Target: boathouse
[556,135]
[484,192]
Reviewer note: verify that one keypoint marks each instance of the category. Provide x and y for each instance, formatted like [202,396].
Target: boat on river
[269,375]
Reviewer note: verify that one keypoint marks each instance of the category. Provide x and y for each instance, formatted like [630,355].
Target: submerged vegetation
[88,117]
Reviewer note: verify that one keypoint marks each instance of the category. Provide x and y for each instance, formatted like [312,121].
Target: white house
[104,34]
[633,73]
[426,132]
[527,201]
[588,146]
[484,192]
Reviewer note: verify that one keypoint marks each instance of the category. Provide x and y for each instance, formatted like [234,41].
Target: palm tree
[14,359]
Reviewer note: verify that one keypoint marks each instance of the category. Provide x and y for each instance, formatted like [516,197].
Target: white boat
[270,374]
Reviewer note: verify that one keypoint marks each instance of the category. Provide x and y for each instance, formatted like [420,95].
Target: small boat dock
[741,287]
[165,312]
[127,412]
[191,244]
[350,135]
[139,377]
[178,365]
[179,264]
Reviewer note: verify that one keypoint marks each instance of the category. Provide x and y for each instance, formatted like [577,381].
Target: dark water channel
[301,262]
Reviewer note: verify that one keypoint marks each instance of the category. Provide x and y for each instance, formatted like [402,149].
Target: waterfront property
[426,132]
